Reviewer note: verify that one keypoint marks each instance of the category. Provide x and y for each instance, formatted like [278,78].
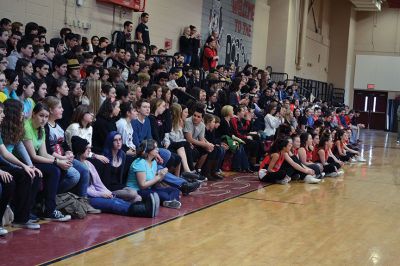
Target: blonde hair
[93,92]
[176,112]
[226,110]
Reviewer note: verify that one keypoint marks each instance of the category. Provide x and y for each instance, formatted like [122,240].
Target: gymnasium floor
[351,220]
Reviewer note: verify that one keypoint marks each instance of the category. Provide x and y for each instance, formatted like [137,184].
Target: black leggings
[21,191]
[174,146]
[331,166]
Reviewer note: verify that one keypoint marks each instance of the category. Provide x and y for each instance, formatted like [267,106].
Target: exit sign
[370,86]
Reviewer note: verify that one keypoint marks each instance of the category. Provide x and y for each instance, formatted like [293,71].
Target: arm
[303,156]
[295,165]
[334,158]
[274,159]
[11,158]
[321,154]
[143,184]
[195,142]
[235,126]
[340,150]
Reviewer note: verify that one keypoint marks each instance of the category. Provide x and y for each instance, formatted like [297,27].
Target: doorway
[372,107]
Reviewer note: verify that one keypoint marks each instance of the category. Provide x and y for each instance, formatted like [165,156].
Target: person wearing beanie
[102,198]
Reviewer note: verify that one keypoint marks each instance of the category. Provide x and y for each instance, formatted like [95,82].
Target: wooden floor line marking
[278,201]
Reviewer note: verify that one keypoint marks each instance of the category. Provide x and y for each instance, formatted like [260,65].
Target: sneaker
[173,204]
[187,187]
[27,225]
[361,160]
[309,179]
[200,177]
[333,174]
[340,172]
[262,173]
[398,142]
[284,181]
[189,176]
[323,174]
[33,218]
[353,160]
[57,216]
[3,231]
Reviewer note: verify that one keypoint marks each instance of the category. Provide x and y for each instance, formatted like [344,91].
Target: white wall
[383,71]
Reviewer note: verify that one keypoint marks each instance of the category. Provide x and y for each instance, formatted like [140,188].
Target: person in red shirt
[210,54]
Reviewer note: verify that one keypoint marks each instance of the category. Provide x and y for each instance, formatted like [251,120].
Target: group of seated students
[130,135]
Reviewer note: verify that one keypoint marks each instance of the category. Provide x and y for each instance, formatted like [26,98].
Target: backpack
[69,203]
[8,217]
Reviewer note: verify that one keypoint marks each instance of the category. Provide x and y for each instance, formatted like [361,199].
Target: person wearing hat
[102,198]
[74,69]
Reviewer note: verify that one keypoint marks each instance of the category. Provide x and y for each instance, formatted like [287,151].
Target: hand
[159,160]
[310,172]
[131,152]
[249,137]
[69,155]
[29,170]
[38,172]
[102,159]
[341,163]
[5,176]
[225,146]
[210,147]
[64,164]
[108,195]
[163,172]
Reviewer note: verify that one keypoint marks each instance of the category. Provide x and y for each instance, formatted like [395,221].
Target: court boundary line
[276,201]
[73,254]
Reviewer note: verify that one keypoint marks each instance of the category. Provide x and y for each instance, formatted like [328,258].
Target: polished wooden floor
[351,220]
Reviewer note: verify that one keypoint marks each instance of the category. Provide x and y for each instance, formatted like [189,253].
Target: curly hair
[12,127]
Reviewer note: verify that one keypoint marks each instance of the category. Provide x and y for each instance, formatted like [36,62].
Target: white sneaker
[353,160]
[284,181]
[309,179]
[262,173]
[173,204]
[323,174]
[361,160]
[27,225]
[3,231]
[333,174]
[340,172]
[57,216]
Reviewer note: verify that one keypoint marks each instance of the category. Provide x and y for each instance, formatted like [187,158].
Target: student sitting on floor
[113,174]
[102,198]
[342,151]
[323,154]
[305,154]
[272,168]
[144,177]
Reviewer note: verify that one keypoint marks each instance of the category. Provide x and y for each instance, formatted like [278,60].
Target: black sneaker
[190,176]
[187,187]
[57,216]
[201,178]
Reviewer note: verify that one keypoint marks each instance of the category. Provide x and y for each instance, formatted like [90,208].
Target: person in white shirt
[124,127]
[271,122]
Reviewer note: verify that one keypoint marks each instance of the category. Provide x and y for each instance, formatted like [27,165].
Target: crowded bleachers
[112,124]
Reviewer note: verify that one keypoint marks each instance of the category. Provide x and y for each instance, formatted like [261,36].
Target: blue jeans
[240,160]
[114,205]
[69,180]
[165,155]
[188,59]
[164,193]
[83,183]
[171,179]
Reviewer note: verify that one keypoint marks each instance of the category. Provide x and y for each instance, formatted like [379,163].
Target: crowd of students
[128,131]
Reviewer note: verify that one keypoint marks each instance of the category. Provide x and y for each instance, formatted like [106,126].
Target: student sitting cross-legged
[102,198]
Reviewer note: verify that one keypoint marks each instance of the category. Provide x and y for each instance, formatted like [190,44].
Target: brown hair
[79,113]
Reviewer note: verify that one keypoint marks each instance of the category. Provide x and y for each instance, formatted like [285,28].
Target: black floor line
[277,201]
[143,229]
